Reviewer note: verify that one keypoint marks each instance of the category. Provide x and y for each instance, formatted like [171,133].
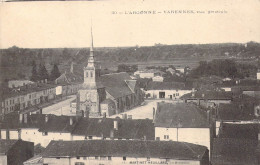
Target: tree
[34,76]
[55,73]
[43,73]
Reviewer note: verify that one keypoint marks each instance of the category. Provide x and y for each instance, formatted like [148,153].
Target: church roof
[115,84]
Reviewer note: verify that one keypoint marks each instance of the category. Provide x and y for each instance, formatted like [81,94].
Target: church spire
[91,41]
[91,61]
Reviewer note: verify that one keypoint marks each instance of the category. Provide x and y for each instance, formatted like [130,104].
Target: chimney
[25,118]
[71,68]
[192,94]
[203,95]
[193,89]
[20,118]
[46,118]
[124,116]
[208,116]
[144,137]
[46,80]
[115,124]
[71,121]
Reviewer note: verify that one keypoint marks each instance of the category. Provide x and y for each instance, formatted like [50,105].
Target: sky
[67,24]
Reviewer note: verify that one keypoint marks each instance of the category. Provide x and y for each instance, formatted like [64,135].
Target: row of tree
[41,73]
[224,68]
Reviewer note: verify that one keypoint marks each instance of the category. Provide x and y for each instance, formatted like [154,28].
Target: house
[68,83]
[182,122]
[108,152]
[158,78]
[248,131]
[113,129]
[236,113]
[36,160]
[148,73]
[123,91]
[166,90]
[18,83]
[230,151]
[37,128]
[41,129]
[253,91]
[208,98]
[15,152]
[21,98]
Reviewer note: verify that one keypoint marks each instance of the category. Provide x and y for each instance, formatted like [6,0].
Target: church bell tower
[92,92]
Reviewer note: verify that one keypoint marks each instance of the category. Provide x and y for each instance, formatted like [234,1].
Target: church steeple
[91,59]
[92,71]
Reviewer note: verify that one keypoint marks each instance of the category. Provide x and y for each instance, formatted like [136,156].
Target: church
[106,95]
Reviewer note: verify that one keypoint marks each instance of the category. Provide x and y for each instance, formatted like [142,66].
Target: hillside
[16,62]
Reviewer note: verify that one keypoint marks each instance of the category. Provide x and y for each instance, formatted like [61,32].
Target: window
[91,74]
[84,158]
[90,137]
[96,157]
[124,158]
[44,133]
[102,158]
[166,136]
[86,74]
[78,157]
[79,163]
[57,158]
[109,158]
[148,158]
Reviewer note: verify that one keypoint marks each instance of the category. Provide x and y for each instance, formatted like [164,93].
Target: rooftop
[128,148]
[115,84]
[210,95]
[236,111]
[166,86]
[127,129]
[6,145]
[239,131]
[182,115]
[23,90]
[229,151]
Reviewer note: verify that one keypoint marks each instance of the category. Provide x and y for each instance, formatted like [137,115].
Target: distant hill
[16,62]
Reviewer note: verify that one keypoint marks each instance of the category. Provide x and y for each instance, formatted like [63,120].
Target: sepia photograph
[170,82]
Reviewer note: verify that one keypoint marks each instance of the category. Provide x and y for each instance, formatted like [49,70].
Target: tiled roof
[54,124]
[58,124]
[115,84]
[6,145]
[236,111]
[210,95]
[234,152]
[239,131]
[100,127]
[182,115]
[23,90]
[69,78]
[127,129]
[11,121]
[127,148]
[165,86]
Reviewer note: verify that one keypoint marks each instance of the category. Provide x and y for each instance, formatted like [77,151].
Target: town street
[60,108]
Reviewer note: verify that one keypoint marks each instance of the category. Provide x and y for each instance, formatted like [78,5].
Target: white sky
[67,24]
